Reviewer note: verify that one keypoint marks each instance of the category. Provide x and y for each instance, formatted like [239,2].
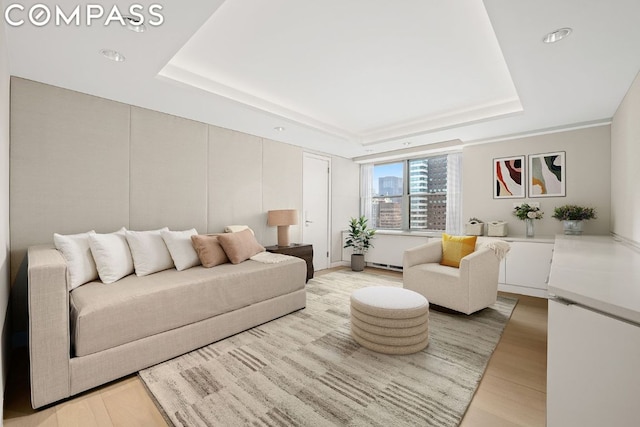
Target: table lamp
[283,218]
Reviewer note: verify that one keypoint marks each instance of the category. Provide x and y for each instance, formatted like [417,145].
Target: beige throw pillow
[240,246]
[209,250]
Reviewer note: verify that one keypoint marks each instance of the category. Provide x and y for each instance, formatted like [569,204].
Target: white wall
[4,208]
[345,200]
[588,179]
[625,166]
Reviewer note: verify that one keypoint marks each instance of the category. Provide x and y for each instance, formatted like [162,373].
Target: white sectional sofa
[96,333]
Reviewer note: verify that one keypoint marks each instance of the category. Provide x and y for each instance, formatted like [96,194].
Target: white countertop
[597,272]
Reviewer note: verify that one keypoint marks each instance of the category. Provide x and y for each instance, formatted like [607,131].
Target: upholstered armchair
[467,289]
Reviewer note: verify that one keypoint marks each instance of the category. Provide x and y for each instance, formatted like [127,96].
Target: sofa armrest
[423,254]
[480,255]
[481,269]
[49,346]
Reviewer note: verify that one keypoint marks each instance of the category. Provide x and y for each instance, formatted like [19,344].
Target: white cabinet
[526,268]
[593,353]
[592,374]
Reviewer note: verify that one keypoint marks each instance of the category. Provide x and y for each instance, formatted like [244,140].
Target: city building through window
[407,195]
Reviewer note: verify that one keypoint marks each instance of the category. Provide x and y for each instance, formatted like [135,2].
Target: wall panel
[80,162]
[281,185]
[235,180]
[69,164]
[168,172]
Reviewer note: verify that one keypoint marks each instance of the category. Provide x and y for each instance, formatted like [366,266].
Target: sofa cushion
[77,253]
[209,250]
[181,249]
[112,255]
[149,252]
[136,307]
[240,246]
[454,248]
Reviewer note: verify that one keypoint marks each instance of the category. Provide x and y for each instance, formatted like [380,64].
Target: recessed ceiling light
[406,143]
[113,55]
[134,24]
[557,35]
[279,128]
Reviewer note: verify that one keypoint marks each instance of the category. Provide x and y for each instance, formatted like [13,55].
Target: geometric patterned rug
[304,369]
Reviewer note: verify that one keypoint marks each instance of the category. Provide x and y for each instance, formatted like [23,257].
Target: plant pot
[357,262]
[572,227]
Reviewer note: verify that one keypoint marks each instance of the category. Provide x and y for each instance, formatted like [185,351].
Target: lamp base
[283,235]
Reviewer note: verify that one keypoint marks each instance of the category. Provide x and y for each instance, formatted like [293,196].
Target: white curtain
[366,192]
[454,194]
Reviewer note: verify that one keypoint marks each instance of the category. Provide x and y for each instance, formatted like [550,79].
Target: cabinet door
[528,264]
[592,374]
[502,274]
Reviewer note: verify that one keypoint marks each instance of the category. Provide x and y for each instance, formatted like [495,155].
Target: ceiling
[351,78]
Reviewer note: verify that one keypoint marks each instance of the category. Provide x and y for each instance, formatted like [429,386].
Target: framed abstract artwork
[547,175]
[508,177]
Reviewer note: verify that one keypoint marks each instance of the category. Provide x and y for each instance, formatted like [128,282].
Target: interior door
[315,200]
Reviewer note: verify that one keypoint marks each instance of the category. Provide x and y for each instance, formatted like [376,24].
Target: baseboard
[340,264]
[523,290]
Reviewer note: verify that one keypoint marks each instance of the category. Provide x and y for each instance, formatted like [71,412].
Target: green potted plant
[360,240]
[572,217]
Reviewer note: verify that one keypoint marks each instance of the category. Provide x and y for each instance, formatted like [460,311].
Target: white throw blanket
[270,258]
[236,228]
[500,247]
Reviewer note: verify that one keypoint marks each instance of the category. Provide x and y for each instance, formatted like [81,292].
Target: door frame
[307,154]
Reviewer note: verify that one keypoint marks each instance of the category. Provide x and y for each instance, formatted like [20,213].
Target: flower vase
[529,226]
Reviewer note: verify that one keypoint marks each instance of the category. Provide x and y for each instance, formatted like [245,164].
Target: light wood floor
[512,391]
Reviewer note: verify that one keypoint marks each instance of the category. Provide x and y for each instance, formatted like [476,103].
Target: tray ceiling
[357,77]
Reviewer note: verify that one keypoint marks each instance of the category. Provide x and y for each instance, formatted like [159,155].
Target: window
[388,190]
[428,193]
[414,194]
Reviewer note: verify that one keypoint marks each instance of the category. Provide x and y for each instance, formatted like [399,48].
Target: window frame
[403,202]
[406,195]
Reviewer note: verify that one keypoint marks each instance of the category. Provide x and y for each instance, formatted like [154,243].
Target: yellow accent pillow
[454,248]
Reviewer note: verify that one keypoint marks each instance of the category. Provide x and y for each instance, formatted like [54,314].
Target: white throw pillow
[181,249]
[77,253]
[149,252]
[112,255]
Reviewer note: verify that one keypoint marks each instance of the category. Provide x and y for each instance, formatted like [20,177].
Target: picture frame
[547,174]
[509,177]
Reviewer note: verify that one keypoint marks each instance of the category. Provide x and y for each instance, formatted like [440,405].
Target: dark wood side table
[298,250]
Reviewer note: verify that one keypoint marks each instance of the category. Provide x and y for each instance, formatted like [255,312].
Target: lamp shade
[282,217]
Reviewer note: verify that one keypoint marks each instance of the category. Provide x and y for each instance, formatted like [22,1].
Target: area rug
[304,369]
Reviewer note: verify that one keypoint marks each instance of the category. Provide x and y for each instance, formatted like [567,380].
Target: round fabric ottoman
[390,320]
